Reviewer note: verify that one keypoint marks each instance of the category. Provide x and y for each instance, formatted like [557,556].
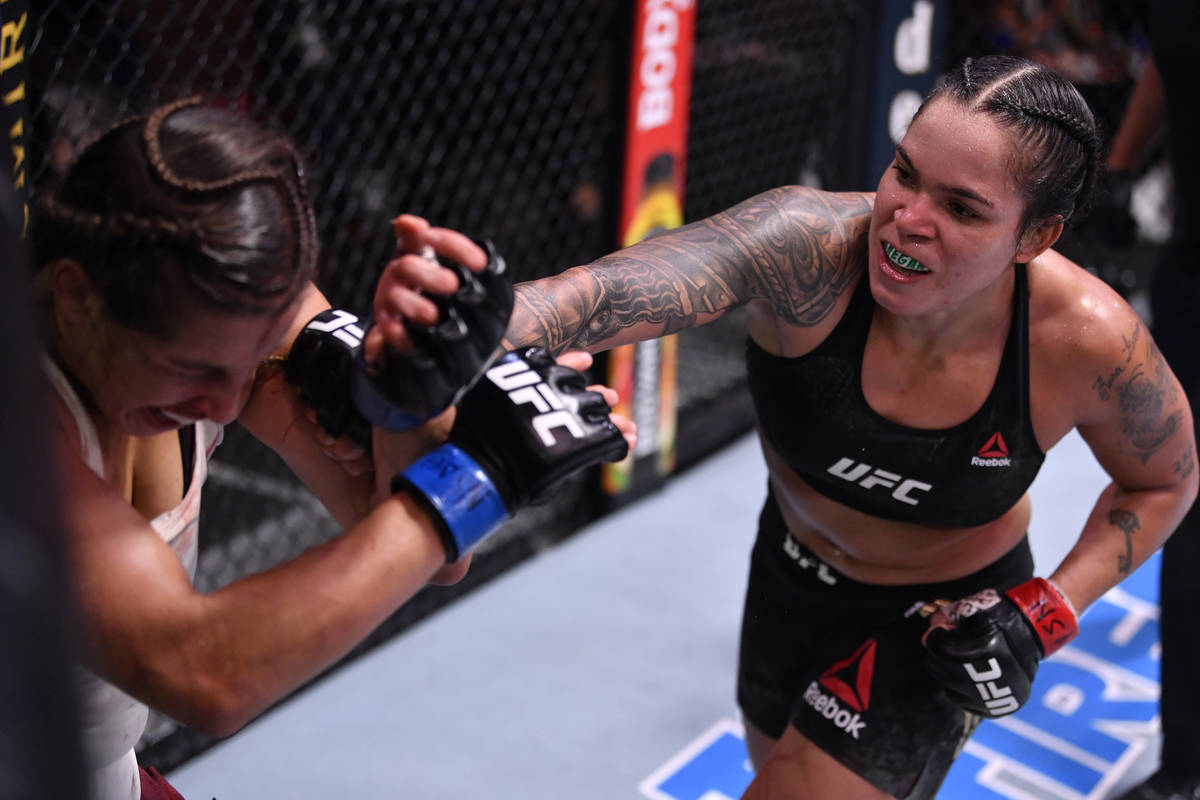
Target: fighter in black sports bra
[813,412]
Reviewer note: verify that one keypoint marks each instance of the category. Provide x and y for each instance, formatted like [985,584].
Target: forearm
[642,292]
[1124,529]
[218,660]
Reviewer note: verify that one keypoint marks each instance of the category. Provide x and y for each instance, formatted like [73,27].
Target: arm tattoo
[1144,394]
[1130,342]
[1143,400]
[796,248]
[1186,464]
[1128,522]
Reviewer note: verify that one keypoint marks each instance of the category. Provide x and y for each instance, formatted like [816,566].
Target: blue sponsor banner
[713,767]
[1093,714]
[1092,718]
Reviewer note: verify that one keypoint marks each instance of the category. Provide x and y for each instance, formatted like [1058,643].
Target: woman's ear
[73,291]
[1039,238]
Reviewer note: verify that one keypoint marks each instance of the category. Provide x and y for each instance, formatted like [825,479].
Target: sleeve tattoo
[796,248]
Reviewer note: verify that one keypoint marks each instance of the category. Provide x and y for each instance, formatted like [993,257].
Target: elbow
[217,714]
[211,704]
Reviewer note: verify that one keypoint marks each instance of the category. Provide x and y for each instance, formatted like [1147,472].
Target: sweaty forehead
[219,338]
[951,144]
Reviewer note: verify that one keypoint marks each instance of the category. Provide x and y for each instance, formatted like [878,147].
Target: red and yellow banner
[651,201]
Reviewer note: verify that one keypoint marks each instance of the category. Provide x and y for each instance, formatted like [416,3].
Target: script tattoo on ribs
[1128,523]
[795,248]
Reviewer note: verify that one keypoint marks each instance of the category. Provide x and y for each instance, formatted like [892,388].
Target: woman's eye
[962,211]
[902,173]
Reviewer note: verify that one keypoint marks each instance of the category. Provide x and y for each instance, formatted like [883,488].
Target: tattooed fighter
[912,354]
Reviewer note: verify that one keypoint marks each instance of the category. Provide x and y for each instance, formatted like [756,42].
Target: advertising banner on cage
[651,201]
[14,105]
[910,48]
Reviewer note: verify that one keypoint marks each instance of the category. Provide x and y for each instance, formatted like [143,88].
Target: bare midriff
[874,550]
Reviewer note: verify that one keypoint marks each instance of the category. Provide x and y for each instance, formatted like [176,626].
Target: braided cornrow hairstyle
[186,198]
[1058,147]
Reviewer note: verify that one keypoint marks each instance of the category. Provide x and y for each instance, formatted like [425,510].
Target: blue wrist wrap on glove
[467,504]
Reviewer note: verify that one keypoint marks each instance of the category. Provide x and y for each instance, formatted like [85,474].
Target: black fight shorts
[843,661]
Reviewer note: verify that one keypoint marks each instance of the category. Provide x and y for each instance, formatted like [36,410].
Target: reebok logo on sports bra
[994,453]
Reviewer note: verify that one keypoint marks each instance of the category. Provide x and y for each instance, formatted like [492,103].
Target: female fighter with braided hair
[912,355]
[176,263]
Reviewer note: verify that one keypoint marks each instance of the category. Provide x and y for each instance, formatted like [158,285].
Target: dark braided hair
[187,204]
[1058,147]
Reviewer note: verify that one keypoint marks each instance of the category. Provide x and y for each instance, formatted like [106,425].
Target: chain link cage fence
[501,118]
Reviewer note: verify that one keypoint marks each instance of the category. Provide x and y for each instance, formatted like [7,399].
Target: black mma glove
[405,389]
[987,659]
[525,427]
[323,365]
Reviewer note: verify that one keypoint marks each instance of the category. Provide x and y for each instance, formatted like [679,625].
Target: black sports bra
[813,412]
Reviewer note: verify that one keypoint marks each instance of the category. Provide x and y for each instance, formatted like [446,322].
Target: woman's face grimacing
[204,371]
[947,216]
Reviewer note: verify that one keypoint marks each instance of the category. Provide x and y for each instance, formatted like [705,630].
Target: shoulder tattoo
[1145,393]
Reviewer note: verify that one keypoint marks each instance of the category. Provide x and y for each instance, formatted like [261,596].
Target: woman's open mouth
[903,262]
[171,419]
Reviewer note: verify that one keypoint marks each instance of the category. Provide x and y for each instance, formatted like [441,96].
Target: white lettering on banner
[914,40]
[658,63]
[645,396]
[900,113]
[912,51]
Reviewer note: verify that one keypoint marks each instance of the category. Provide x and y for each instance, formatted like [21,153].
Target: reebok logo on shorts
[850,682]
[994,453]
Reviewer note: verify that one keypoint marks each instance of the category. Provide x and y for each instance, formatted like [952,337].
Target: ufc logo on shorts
[526,386]
[998,699]
[869,478]
[342,324]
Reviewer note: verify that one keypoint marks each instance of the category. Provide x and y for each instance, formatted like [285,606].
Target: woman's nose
[915,218]
[221,400]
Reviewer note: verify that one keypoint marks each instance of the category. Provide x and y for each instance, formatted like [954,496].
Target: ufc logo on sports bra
[526,386]
[868,478]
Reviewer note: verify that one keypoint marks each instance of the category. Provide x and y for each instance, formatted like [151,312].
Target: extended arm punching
[791,247]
